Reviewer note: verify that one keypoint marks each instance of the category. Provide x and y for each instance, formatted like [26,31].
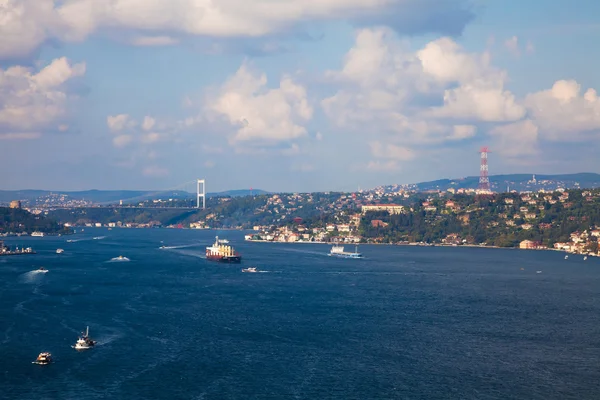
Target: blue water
[402,323]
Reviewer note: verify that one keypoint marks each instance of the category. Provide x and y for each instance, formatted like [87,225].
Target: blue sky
[294,95]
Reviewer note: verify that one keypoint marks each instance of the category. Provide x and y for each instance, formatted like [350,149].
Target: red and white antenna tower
[484,180]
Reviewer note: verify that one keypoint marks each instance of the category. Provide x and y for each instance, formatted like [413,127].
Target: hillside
[500,183]
[17,221]
[111,196]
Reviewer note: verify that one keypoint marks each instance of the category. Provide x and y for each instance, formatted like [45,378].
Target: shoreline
[422,245]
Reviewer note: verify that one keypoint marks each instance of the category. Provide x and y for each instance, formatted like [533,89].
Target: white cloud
[386,88]
[117,123]
[148,123]
[26,24]
[463,132]
[391,151]
[516,139]
[258,113]
[480,101]
[562,113]
[150,137]
[512,45]
[31,101]
[122,140]
[153,41]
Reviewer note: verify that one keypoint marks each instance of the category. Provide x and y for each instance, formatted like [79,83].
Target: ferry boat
[37,234]
[338,251]
[84,341]
[249,269]
[44,358]
[221,253]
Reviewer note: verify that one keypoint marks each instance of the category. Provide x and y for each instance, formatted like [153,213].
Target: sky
[293,95]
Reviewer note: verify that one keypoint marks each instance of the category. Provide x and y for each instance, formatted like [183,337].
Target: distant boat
[59,251]
[37,234]
[338,251]
[584,258]
[84,341]
[567,256]
[249,269]
[42,269]
[120,258]
[44,358]
[538,272]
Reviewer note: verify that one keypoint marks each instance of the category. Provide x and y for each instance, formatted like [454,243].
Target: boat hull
[348,255]
[225,259]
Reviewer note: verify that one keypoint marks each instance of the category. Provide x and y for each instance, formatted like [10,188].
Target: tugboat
[84,341]
[338,251]
[220,253]
[43,359]
[249,269]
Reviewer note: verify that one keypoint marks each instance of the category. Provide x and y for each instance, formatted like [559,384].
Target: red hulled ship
[222,253]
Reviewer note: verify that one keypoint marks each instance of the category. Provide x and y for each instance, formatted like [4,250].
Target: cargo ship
[6,251]
[221,253]
[338,251]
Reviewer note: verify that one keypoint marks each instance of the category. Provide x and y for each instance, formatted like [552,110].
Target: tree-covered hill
[14,220]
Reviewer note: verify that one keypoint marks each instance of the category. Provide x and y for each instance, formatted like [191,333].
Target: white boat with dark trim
[249,269]
[338,251]
[59,251]
[84,341]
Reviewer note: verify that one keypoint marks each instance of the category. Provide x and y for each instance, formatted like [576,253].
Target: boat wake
[32,276]
[119,259]
[99,237]
[178,247]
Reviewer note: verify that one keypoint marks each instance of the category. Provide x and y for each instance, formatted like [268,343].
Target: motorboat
[44,358]
[84,341]
[42,269]
[59,251]
[249,269]
[120,258]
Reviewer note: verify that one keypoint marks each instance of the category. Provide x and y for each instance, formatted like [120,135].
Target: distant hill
[519,182]
[111,196]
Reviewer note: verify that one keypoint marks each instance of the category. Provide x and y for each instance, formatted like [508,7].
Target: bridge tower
[201,192]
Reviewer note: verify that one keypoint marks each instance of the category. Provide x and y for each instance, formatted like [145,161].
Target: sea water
[401,323]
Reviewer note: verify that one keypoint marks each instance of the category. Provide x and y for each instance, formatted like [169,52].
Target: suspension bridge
[188,195]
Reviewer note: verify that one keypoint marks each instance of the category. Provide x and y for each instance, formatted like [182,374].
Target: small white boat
[584,258]
[44,358]
[84,341]
[222,241]
[538,272]
[120,258]
[249,269]
[567,256]
[59,251]
[338,251]
[42,270]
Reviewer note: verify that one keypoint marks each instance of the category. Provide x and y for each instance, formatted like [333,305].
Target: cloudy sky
[293,95]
